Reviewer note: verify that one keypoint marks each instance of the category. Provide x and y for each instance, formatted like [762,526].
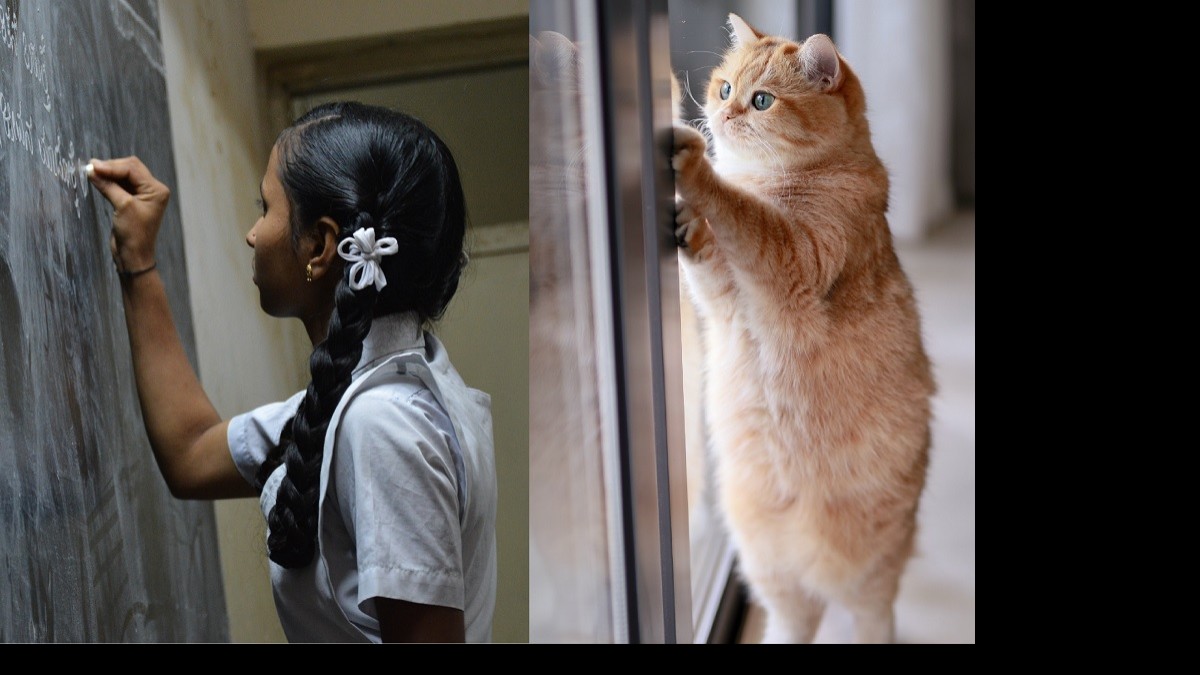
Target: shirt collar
[390,334]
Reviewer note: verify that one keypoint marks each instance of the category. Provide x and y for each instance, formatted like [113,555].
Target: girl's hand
[139,201]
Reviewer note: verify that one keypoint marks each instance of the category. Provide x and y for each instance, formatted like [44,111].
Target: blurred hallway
[937,595]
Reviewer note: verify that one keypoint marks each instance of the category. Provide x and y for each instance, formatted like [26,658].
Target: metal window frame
[631,82]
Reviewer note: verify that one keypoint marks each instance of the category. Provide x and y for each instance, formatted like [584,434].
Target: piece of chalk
[89,169]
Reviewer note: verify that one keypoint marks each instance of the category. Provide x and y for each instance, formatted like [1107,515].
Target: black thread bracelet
[129,275]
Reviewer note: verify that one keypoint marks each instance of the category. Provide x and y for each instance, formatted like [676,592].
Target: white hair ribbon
[361,249]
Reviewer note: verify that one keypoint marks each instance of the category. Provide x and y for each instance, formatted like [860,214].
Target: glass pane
[636,112]
[574,567]
[698,37]
[609,519]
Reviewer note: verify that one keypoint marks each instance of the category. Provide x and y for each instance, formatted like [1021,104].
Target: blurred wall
[963,16]
[901,52]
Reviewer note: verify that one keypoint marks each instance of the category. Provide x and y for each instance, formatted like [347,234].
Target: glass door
[609,525]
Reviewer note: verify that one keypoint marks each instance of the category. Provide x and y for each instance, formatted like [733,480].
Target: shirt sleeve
[251,435]
[397,483]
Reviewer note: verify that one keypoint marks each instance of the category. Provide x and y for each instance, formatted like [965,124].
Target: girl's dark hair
[363,166]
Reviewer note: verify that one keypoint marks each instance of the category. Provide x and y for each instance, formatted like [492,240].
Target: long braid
[364,167]
[293,520]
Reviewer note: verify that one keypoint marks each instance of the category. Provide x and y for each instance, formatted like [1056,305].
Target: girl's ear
[324,256]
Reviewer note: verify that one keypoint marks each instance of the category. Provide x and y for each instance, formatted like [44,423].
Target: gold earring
[308,272]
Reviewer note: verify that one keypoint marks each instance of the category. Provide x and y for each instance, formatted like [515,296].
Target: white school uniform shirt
[407,492]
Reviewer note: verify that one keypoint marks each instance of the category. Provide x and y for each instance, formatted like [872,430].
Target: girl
[378,481]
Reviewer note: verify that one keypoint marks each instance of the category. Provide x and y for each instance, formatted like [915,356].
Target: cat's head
[775,102]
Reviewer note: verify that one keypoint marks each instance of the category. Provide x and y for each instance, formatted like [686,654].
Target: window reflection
[571,588]
[611,492]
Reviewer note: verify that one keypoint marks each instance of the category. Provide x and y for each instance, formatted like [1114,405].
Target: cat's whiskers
[754,149]
[690,94]
[755,140]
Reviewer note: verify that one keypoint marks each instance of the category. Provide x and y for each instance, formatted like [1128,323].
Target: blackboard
[92,546]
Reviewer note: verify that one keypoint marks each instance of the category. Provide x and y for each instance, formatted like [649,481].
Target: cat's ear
[820,61]
[742,32]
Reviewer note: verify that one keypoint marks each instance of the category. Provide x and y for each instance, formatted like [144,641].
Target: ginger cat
[817,384]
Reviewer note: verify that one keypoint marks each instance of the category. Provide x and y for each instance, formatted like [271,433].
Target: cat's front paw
[689,154]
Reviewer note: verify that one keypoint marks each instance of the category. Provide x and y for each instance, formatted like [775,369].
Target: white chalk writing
[17,124]
[27,51]
[16,127]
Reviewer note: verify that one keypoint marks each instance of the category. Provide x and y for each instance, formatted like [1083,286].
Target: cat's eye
[726,90]
[762,100]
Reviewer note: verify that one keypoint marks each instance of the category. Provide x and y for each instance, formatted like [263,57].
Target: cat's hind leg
[872,606]
[793,614]
[874,623]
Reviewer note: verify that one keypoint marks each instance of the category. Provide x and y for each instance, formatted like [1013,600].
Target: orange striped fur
[817,385]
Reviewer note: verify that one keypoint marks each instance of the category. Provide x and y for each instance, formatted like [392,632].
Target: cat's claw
[681,233]
[687,222]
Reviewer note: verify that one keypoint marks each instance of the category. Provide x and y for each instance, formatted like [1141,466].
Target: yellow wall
[246,358]
[286,23]
[486,333]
